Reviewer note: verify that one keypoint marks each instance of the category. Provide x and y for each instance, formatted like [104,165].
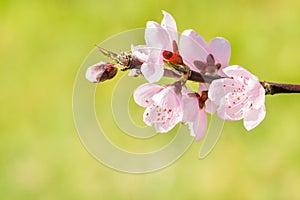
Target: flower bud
[100,72]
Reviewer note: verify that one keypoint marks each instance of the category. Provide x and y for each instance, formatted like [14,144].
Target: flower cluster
[237,95]
[231,91]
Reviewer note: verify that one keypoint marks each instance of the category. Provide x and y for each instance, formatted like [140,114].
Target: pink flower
[163,105]
[166,106]
[240,96]
[203,57]
[196,53]
[158,37]
[194,113]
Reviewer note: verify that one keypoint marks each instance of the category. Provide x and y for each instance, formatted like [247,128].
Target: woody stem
[276,88]
[271,88]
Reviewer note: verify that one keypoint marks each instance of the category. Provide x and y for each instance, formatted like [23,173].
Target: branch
[127,62]
[277,88]
[271,88]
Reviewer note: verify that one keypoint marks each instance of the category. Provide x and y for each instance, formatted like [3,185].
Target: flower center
[208,67]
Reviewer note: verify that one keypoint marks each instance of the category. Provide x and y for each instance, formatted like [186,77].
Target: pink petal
[141,51]
[153,69]
[254,117]
[163,121]
[191,128]
[193,115]
[169,24]
[231,85]
[166,127]
[200,125]
[168,109]
[152,72]
[190,108]
[210,107]
[168,21]
[167,118]
[144,93]
[197,39]
[236,71]
[221,50]
[150,115]
[191,48]
[158,37]
[154,56]
[222,110]
[232,112]
[167,98]
[216,91]
[257,95]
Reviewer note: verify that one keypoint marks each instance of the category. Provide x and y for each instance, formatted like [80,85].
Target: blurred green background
[43,44]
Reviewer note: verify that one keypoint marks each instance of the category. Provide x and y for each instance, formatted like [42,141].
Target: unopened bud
[173,58]
[100,72]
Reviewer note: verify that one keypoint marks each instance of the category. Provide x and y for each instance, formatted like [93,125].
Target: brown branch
[271,88]
[202,78]
[128,61]
[276,88]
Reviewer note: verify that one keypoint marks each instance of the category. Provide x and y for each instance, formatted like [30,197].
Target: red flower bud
[173,58]
[100,72]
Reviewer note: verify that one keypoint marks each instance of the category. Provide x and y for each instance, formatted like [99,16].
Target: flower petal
[193,115]
[168,21]
[167,98]
[236,71]
[168,109]
[253,117]
[257,96]
[200,124]
[152,72]
[197,39]
[169,24]
[149,115]
[191,48]
[165,127]
[232,112]
[163,119]
[144,93]
[141,52]
[221,50]
[210,107]
[158,37]
[190,108]
[216,91]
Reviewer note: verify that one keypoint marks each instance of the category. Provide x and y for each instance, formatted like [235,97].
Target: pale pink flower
[240,96]
[163,105]
[203,57]
[194,113]
[196,53]
[158,37]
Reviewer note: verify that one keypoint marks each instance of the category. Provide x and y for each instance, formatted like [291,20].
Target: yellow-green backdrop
[43,44]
